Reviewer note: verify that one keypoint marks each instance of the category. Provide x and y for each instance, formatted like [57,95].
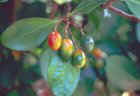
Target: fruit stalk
[66,29]
[53,11]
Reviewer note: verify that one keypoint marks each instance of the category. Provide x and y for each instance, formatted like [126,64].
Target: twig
[66,29]
[53,11]
[109,6]
[124,14]
[57,24]
[73,40]
[82,31]
[69,8]
[108,3]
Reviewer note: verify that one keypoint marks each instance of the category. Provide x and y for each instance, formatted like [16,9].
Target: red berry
[54,40]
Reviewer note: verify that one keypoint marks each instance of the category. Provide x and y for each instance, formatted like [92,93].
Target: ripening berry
[54,40]
[98,53]
[79,58]
[67,48]
[17,55]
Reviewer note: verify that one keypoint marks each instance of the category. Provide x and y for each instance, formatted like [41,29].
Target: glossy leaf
[62,77]
[123,73]
[3,1]
[13,93]
[134,6]
[87,6]
[138,32]
[135,1]
[26,34]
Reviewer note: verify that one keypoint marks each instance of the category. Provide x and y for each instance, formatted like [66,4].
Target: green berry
[88,43]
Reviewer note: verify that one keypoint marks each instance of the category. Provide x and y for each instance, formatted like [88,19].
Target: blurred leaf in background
[3,1]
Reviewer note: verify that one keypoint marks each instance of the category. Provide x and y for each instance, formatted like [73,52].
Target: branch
[124,14]
[53,11]
[108,3]
[109,6]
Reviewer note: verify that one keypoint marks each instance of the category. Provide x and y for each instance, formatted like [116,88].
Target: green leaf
[123,73]
[138,32]
[62,77]
[134,6]
[87,6]
[95,17]
[13,93]
[109,46]
[33,1]
[135,1]
[3,1]
[28,33]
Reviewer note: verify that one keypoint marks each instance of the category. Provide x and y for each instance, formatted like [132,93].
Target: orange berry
[67,48]
[98,53]
[16,54]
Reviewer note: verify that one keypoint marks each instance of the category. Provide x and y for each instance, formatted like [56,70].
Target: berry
[54,40]
[29,60]
[79,58]
[37,51]
[88,43]
[61,2]
[17,55]
[98,53]
[67,48]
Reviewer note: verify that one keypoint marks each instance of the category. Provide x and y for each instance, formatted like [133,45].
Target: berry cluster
[67,49]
